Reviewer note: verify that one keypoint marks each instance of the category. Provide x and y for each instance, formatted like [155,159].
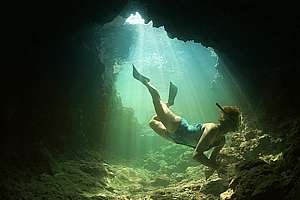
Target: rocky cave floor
[255,165]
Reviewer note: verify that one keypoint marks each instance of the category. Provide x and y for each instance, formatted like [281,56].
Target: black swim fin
[172,93]
[139,76]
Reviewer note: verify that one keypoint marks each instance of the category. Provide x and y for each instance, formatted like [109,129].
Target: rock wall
[51,77]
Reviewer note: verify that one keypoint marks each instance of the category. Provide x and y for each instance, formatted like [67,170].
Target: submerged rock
[228,194]
[250,169]
[160,181]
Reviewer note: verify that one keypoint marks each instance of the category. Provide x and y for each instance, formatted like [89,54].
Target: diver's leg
[158,126]
[166,116]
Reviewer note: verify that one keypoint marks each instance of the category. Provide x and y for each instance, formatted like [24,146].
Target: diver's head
[230,117]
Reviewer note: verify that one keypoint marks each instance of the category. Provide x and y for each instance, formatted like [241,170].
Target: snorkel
[221,108]
[228,115]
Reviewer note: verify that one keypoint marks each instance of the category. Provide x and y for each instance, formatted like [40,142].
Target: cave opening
[194,68]
[140,157]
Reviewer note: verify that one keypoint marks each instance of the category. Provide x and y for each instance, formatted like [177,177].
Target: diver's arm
[203,145]
[217,149]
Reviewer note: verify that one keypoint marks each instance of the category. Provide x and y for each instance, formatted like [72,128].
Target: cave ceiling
[256,37]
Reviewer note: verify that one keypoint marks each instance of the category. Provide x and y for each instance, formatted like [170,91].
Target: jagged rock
[160,181]
[227,195]
[215,187]
[178,176]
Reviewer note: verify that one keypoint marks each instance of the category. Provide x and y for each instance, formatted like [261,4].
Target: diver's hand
[220,169]
[209,172]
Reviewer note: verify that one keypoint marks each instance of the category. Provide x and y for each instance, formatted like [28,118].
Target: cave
[75,120]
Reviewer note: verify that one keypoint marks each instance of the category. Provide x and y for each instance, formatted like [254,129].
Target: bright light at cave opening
[135,19]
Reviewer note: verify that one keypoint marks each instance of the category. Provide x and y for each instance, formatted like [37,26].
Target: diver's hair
[231,116]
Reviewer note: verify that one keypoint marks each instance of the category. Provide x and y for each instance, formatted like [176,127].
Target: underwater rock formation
[247,175]
[50,100]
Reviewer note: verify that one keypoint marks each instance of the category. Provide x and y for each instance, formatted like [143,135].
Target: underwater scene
[135,158]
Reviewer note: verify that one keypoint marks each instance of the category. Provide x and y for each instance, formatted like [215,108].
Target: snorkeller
[175,128]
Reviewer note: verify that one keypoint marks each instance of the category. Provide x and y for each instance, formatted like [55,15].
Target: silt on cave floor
[254,164]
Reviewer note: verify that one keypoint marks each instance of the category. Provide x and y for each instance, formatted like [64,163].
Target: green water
[189,65]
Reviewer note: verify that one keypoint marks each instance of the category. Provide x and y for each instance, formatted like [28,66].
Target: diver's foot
[172,93]
[139,76]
